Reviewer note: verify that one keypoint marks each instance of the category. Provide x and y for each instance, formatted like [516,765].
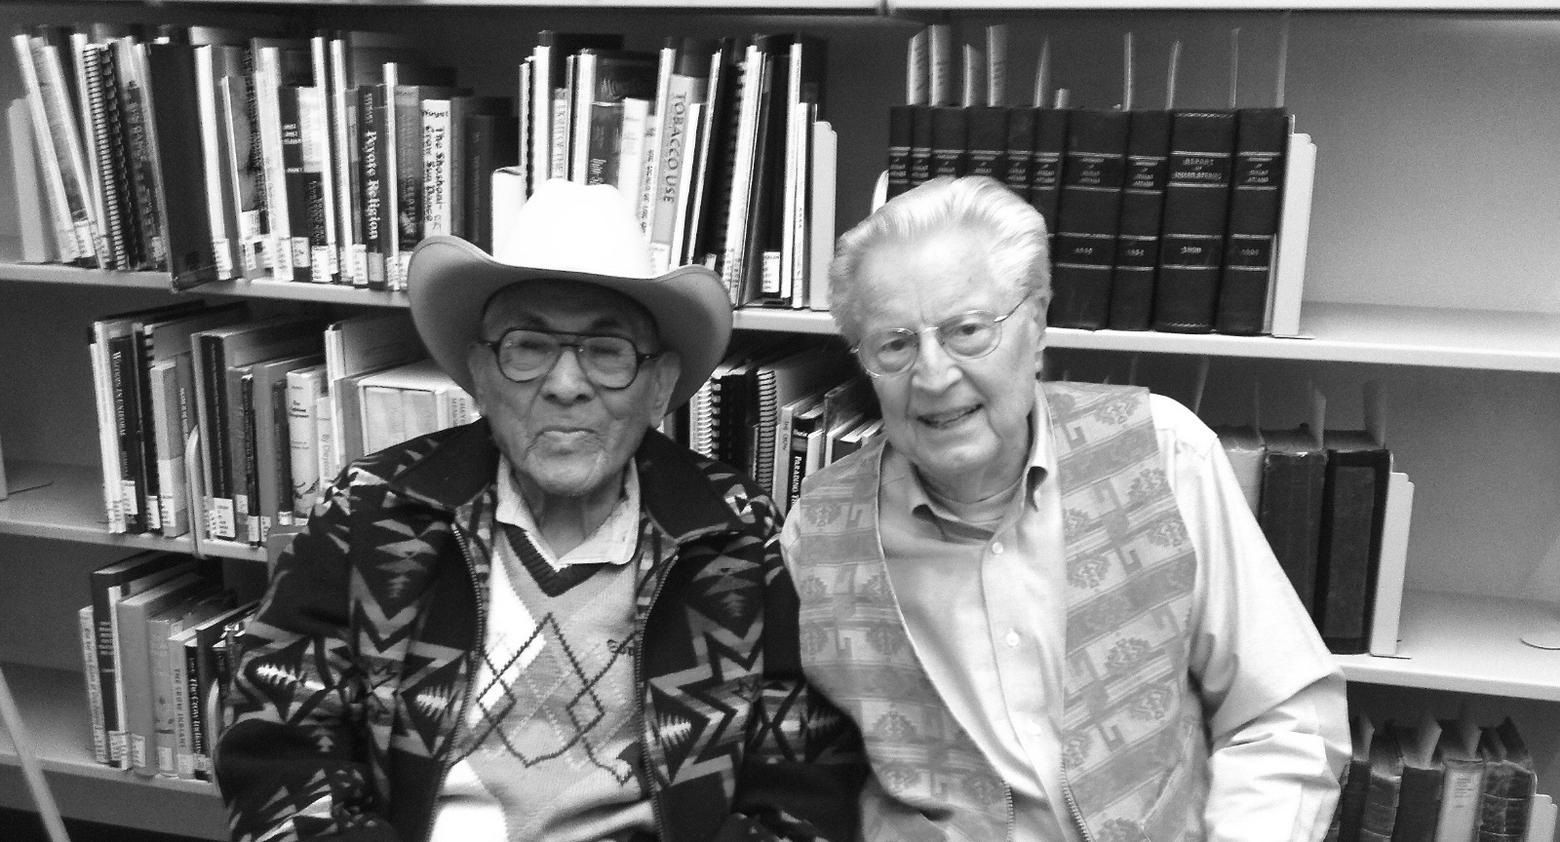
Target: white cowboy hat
[567,231]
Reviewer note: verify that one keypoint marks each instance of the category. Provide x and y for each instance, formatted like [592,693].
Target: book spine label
[1195,212]
[87,629]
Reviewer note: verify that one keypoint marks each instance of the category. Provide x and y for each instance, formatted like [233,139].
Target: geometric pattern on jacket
[1134,754]
[354,673]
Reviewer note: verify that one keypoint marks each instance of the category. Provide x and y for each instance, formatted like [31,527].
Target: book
[58,140]
[215,63]
[97,85]
[276,64]
[1419,799]
[86,630]
[1384,793]
[1349,542]
[1018,158]
[603,80]
[404,167]
[1087,219]
[1050,147]
[406,401]
[245,172]
[276,501]
[355,346]
[1541,822]
[160,630]
[1354,783]
[825,173]
[1462,781]
[211,676]
[373,150]
[1191,247]
[1244,448]
[1505,802]
[483,137]
[712,173]
[1294,475]
[1261,139]
[305,388]
[32,212]
[753,229]
[1142,202]
[1392,569]
[949,141]
[986,141]
[438,191]
[144,200]
[108,585]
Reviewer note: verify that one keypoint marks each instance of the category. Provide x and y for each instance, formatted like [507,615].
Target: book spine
[919,163]
[1350,550]
[371,143]
[1019,160]
[135,105]
[950,141]
[48,157]
[986,141]
[901,124]
[1256,195]
[103,108]
[407,169]
[218,201]
[168,412]
[268,110]
[1084,248]
[438,187]
[246,175]
[297,180]
[185,688]
[1137,242]
[127,430]
[1290,514]
[86,626]
[66,139]
[1050,146]
[145,423]
[108,429]
[319,201]
[1202,145]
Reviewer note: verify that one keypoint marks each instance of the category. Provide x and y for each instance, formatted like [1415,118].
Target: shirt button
[1013,639]
[996,548]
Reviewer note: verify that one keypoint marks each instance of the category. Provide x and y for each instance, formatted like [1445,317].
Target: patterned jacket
[355,671]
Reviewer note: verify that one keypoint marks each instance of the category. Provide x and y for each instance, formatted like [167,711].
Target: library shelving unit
[1433,270]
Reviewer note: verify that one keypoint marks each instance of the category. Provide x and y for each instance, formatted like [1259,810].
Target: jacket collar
[674,488]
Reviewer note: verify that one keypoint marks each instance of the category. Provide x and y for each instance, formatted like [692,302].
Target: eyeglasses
[967,336]
[524,354]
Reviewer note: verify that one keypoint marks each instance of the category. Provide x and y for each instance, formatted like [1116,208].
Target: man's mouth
[943,420]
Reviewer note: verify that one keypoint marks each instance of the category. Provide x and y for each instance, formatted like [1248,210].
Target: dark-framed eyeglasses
[967,336]
[524,354]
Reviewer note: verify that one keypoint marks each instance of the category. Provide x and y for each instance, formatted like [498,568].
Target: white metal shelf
[1467,644]
[65,502]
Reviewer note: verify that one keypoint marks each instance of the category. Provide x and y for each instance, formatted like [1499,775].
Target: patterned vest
[1134,750]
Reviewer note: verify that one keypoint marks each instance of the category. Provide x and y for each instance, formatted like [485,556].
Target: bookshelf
[1428,274]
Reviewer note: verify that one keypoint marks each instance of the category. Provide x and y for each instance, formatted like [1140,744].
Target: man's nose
[567,380]
[934,369]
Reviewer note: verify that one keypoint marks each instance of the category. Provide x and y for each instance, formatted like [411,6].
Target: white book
[86,627]
[32,203]
[631,149]
[678,254]
[355,346]
[48,156]
[210,68]
[509,193]
[1392,566]
[1294,234]
[305,388]
[437,188]
[267,93]
[325,440]
[825,163]
[1541,821]
[733,256]
[314,125]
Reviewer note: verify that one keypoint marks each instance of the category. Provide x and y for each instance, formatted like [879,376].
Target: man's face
[564,435]
[963,423]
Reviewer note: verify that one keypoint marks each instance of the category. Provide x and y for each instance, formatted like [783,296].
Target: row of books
[1440,781]
[1336,514]
[1178,219]
[155,640]
[213,420]
[216,154]
[721,143]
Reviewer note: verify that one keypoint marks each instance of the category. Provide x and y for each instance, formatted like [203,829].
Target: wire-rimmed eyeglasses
[524,354]
[967,336]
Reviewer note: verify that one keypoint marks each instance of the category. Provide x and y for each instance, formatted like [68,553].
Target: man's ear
[477,357]
[665,370]
[1041,305]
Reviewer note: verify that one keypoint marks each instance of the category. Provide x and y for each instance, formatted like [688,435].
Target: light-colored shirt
[1272,693]
[607,798]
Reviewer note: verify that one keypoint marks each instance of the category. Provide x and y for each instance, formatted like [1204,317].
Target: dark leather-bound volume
[986,140]
[1084,247]
[1356,494]
[1191,247]
[1509,782]
[901,125]
[920,145]
[1256,195]
[1018,163]
[1294,473]
[1385,790]
[950,141]
[1419,799]
[1142,201]
[1045,178]
[174,115]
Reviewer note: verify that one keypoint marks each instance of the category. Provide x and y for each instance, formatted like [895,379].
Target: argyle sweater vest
[1134,747]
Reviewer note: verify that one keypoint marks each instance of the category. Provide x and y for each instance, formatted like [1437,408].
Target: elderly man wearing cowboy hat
[554,623]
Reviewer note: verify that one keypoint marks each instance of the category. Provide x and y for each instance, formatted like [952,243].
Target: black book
[1419,799]
[373,182]
[490,142]
[303,186]
[1350,541]
[950,141]
[1018,164]
[986,141]
[1385,789]
[920,162]
[901,124]
[125,387]
[712,193]
[1256,196]
[1191,247]
[175,119]
[1087,218]
[1294,475]
[475,119]
[1354,785]
[1045,179]
[1142,203]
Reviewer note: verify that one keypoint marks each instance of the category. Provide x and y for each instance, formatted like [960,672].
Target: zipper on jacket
[471,667]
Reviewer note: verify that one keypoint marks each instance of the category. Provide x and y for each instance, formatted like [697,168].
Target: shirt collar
[1042,460]
[612,542]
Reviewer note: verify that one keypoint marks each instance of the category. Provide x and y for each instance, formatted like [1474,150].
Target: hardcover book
[1191,248]
[108,585]
[1294,474]
[1050,145]
[1088,217]
[1509,783]
[1142,201]
[1018,162]
[1350,540]
[986,139]
[548,61]
[1256,197]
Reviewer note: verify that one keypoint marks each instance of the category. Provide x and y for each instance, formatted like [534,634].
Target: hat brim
[449,282]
